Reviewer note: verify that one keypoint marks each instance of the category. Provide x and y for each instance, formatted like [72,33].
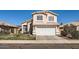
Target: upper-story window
[39,17]
[51,18]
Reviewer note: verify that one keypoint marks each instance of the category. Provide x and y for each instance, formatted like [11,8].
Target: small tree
[70,29]
[75,34]
[61,23]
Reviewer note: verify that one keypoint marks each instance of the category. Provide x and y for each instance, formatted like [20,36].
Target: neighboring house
[27,27]
[43,23]
[75,23]
[7,28]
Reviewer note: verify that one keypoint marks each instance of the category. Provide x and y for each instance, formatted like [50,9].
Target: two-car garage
[45,31]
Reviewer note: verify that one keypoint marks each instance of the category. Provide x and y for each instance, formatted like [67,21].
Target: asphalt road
[38,46]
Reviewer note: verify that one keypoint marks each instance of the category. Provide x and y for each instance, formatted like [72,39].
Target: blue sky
[18,16]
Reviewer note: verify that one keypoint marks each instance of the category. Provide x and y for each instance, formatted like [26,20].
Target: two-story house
[43,23]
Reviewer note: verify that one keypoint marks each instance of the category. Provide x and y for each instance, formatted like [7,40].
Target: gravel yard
[16,37]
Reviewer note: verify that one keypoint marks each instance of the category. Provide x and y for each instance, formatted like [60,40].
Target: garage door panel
[45,31]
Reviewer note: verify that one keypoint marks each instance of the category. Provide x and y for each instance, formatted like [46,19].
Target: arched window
[51,18]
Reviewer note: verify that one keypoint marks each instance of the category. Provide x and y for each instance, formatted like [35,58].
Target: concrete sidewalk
[41,41]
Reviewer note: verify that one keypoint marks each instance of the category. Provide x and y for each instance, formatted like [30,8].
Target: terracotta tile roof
[75,23]
[6,24]
[27,21]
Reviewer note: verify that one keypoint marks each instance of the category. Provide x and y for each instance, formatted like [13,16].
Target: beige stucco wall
[28,26]
[34,31]
[22,25]
[35,21]
[57,31]
[77,28]
[45,20]
[55,17]
[15,31]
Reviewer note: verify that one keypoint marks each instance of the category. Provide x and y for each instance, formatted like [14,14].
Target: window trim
[52,17]
[40,19]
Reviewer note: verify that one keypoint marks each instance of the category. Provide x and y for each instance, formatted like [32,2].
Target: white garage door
[45,31]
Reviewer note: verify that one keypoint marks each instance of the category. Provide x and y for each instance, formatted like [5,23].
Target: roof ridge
[6,23]
[45,11]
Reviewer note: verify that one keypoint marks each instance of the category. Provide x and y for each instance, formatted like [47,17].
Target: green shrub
[17,37]
[70,31]
[63,33]
[75,34]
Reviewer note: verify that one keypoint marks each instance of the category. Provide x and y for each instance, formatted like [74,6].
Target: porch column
[57,31]
[10,30]
[22,29]
[15,31]
[28,26]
